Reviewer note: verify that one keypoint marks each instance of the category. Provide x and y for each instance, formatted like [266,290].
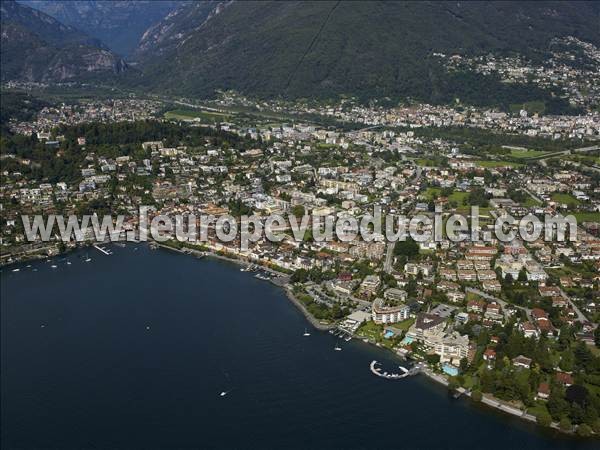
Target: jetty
[393,376]
[100,249]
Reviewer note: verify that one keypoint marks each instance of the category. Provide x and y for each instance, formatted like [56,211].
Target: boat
[16,270]
[348,338]
[224,393]
[306,333]
[337,348]
[54,266]
[69,263]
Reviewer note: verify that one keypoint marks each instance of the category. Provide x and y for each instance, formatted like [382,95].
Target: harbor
[404,372]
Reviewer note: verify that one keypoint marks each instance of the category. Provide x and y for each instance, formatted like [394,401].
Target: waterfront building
[383,314]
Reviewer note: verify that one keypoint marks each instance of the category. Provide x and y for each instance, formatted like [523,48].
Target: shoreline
[285,286]
[493,402]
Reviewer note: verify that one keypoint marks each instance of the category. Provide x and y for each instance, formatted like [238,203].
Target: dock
[100,249]
[393,376]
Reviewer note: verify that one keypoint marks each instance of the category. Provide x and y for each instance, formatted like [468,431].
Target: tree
[477,197]
[299,276]
[432,359]
[557,405]
[565,424]
[476,396]
[543,418]
[408,248]
[567,360]
[584,430]
[298,211]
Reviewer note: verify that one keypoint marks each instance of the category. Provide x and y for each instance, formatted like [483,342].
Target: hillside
[36,47]
[119,24]
[370,49]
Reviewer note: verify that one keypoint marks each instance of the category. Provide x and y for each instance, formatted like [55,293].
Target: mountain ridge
[117,23]
[37,47]
[373,49]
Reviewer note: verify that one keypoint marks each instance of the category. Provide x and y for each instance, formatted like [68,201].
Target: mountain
[37,47]
[163,38]
[119,24]
[371,49]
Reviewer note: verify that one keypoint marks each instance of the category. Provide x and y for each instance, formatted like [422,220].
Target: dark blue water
[81,369]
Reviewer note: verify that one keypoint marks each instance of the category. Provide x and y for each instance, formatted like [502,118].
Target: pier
[100,249]
[393,376]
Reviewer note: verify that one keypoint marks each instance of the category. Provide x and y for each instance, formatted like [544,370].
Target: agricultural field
[587,217]
[526,154]
[567,199]
[489,164]
[189,114]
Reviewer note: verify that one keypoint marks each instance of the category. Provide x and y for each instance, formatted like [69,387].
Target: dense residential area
[299,224]
[512,324]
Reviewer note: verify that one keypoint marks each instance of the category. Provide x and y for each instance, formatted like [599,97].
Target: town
[514,325]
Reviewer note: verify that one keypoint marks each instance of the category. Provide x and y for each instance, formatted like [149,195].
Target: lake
[132,350]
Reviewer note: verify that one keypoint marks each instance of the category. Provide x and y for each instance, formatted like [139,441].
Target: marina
[404,372]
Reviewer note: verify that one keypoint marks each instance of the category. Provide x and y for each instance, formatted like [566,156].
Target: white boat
[69,263]
[223,394]
[16,270]
[54,266]
[306,333]
[88,259]
[337,348]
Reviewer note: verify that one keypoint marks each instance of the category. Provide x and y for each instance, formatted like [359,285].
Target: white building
[382,314]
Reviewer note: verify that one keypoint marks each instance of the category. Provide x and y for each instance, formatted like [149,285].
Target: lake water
[133,350]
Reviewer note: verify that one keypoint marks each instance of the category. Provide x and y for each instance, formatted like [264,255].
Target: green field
[404,325]
[587,217]
[466,210]
[371,331]
[434,192]
[458,197]
[525,154]
[531,107]
[494,164]
[567,199]
[189,114]
[530,202]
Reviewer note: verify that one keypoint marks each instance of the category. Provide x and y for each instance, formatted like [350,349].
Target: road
[535,197]
[580,315]
[502,303]
[566,152]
